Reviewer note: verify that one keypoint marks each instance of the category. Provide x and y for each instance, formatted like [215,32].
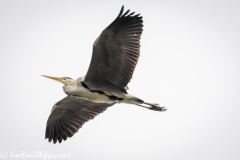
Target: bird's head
[63,80]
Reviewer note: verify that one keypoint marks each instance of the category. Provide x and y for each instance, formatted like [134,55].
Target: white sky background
[189,63]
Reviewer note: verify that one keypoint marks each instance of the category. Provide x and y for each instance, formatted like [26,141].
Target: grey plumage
[114,58]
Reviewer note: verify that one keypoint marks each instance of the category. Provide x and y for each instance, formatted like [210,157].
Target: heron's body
[114,58]
[107,94]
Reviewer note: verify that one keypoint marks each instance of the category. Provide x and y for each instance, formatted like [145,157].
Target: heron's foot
[156,107]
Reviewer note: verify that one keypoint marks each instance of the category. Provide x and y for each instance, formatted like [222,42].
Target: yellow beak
[63,80]
[54,78]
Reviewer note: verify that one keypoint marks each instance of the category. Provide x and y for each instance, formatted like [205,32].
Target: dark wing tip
[60,135]
[121,11]
[126,14]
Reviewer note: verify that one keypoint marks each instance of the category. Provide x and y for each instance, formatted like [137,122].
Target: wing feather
[116,51]
[68,115]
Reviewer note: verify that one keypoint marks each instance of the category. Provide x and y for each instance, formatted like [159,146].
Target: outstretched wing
[116,51]
[68,115]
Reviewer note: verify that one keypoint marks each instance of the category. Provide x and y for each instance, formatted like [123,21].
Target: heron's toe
[156,107]
[163,109]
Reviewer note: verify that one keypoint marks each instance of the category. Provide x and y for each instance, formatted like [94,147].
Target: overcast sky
[189,63]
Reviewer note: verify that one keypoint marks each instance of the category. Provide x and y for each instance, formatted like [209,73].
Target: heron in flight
[114,58]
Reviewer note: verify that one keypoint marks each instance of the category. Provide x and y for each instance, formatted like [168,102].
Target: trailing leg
[129,99]
[153,106]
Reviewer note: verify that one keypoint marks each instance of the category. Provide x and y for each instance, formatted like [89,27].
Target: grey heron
[114,58]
